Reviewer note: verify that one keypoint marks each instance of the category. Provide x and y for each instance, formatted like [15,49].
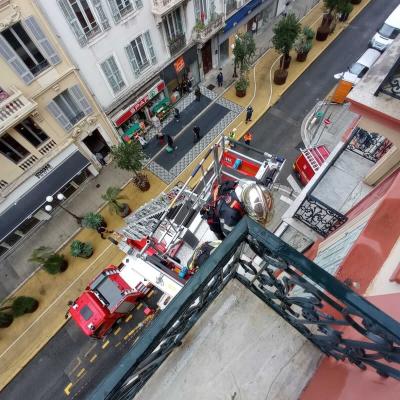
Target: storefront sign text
[179,64]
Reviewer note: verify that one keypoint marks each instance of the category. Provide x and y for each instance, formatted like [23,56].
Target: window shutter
[114,11]
[139,3]
[59,115]
[34,28]
[73,22]
[82,101]
[12,59]
[101,14]
[106,67]
[149,45]
[132,59]
[116,72]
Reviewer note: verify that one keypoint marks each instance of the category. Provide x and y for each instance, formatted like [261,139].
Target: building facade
[51,130]
[137,55]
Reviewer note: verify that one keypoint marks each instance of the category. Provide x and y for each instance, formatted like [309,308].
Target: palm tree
[113,197]
[130,157]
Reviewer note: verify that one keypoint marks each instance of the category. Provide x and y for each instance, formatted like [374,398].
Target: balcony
[202,33]
[161,7]
[14,108]
[177,44]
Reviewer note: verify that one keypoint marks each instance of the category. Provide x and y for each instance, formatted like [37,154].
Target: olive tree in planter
[285,35]
[244,50]
[130,157]
[113,197]
[93,220]
[51,262]
[328,23]
[303,43]
[344,10]
[19,306]
[81,249]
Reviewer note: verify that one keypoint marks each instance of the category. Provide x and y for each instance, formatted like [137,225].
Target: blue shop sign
[241,14]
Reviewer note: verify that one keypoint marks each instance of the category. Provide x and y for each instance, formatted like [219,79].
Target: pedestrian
[220,79]
[248,137]
[196,131]
[254,27]
[197,93]
[156,122]
[141,140]
[249,113]
[160,137]
[102,230]
[100,158]
[177,114]
[170,143]
[232,135]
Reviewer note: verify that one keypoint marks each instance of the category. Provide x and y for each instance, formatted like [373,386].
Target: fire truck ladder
[311,159]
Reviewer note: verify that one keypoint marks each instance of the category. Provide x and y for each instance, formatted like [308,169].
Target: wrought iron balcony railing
[14,108]
[202,35]
[177,44]
[319,306]
[161,7]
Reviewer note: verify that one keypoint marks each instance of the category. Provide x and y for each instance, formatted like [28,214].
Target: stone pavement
[28,334]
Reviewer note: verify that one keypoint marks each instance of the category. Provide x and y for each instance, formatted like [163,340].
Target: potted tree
[328,23]
[344,10]
[113,197]
[51,262]
[81,249]
[6,319]
[22,305]
[243,51]
[93,220]
[303,43]
[130,157]
[285,34]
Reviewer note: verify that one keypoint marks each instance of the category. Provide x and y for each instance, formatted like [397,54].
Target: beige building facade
[53,135]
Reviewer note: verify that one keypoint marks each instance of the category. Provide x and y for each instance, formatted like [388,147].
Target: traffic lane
[53,372]
[279,130]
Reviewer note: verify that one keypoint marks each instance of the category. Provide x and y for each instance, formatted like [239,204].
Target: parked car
[387,32]
[309,162]
[357,70]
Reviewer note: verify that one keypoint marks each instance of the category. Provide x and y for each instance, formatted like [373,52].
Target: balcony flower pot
[280,76]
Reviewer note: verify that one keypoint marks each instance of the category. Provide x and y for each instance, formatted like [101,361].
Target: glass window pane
[28,224]
[31,132]
[12,149]
[12,239]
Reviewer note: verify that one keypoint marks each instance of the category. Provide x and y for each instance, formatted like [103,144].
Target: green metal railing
[314,302]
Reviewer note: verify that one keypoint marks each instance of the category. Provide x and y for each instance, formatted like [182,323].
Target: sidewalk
[28,334]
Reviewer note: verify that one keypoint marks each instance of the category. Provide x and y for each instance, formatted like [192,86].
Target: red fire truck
[161,237]
[309,162]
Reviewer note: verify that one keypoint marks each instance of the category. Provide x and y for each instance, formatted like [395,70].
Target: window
[69,107]
[230,6]
[85,17]
[201,8]
[25,48]
[173,25]
[31,132]
[113,74]
[13,150]
[141,53]
[120,8]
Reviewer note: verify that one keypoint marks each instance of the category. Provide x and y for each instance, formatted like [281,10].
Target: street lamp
[234,62]
[61,197]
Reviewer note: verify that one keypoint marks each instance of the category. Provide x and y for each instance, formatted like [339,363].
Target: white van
[357,70]
[387,32]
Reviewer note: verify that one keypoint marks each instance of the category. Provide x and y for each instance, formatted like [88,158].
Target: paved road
[278,131]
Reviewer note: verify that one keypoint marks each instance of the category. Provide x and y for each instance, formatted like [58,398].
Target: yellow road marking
[67,389]
[128,318]
[150,294]
[105,344]
[117,344]
[93,358]
[80,372]
[126,337]
[139,306]
[118,330]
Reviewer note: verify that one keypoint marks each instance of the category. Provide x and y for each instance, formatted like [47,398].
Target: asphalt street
[278,131]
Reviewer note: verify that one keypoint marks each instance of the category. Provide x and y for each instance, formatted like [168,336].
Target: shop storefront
[256,12]
[136,118]
[182,74]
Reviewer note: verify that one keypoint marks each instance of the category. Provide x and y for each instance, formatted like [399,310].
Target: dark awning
[32,200]
[241,14]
